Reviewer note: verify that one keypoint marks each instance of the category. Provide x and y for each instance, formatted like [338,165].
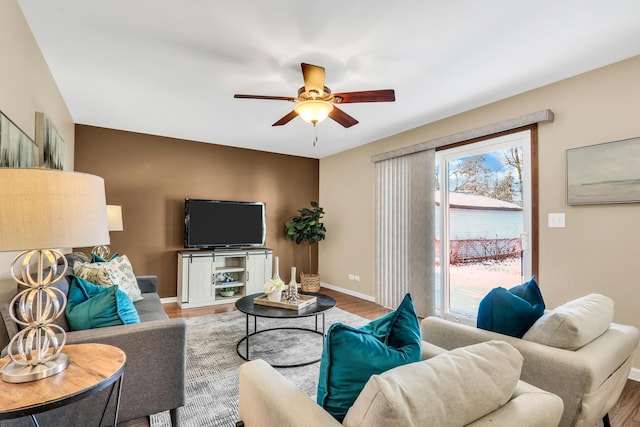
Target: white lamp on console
[45,208]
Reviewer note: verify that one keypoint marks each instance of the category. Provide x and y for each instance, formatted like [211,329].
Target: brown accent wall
[150,176]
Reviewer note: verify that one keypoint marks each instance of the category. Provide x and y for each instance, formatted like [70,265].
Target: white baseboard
[634,374]
[348,292]
[169,300]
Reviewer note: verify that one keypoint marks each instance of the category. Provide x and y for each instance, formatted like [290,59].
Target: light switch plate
[556,220]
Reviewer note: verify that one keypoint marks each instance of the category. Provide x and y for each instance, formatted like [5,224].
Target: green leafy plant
[307,227]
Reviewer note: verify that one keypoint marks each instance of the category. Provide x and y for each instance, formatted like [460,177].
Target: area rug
[212,362]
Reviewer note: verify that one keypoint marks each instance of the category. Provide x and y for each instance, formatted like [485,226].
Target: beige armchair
[589,379]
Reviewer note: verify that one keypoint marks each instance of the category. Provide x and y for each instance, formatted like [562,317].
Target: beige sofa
[477,386]
[589,379]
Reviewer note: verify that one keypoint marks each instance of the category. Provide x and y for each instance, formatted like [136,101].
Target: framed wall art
[604,173]
[50,143]
[17,150]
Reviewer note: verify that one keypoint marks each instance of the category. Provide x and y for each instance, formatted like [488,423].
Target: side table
[92,368]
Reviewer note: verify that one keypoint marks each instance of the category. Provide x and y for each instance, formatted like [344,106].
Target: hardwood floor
[626,413]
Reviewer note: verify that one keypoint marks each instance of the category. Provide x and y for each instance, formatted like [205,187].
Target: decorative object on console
[227,292]
[29,218]
[114,221]
[307,227]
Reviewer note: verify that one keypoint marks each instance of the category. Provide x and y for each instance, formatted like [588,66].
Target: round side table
[92,368]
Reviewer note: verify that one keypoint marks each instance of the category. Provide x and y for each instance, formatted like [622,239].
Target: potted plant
[307,227]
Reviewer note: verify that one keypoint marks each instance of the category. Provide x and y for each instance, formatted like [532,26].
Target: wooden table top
[90,366]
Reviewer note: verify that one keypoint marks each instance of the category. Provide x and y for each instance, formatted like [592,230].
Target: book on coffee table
[303,301]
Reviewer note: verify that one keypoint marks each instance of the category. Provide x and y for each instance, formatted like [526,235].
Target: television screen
[220,223]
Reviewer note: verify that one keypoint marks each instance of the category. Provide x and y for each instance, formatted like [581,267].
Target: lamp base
[20,373]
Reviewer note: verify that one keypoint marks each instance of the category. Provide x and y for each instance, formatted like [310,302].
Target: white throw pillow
[117,271]
[449,390]
[574,324]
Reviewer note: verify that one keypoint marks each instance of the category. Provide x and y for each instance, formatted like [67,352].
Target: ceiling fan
[315,102]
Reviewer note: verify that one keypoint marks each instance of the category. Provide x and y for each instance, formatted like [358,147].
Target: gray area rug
[212,362]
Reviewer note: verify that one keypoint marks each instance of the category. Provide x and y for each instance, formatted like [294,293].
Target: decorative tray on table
[303,301]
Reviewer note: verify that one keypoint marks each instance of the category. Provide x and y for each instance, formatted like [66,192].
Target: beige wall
[150,176]
[596,252]
[26,86]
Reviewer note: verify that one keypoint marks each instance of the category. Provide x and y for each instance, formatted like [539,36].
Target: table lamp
[114,221]
[41,209]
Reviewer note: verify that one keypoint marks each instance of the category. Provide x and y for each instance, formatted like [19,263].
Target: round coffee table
[246,305]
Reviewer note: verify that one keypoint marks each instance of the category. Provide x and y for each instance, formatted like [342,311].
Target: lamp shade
[314,110]
[114,218]
[47,208]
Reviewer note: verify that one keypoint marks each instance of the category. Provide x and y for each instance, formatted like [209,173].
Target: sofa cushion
[91,306]
[573,324]
[117,271]
[350,356]
[451,389]
[513,311]
[150,308]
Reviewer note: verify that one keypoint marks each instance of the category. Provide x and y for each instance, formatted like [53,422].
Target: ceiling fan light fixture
[314,110]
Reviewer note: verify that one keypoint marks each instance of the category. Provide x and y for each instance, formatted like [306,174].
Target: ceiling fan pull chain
[315,134]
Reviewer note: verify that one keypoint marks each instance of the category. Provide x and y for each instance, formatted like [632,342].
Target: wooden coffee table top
[91,368]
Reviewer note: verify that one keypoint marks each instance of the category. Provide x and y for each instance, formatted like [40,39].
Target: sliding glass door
[483,221]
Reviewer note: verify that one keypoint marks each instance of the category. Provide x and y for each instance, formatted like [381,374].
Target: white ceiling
[171,67]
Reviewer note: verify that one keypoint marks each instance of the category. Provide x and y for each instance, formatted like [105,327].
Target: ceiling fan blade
[343,118]
[277,98]
[313,78]
[385,95]
[286,119]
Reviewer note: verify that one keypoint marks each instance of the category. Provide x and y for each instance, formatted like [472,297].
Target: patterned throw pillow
[117,271]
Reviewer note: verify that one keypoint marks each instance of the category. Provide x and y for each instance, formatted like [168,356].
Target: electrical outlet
[354,277]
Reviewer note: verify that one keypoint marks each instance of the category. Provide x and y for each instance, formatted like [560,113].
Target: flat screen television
[224,224]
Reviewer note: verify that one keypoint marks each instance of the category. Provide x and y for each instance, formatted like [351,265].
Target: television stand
[207,277]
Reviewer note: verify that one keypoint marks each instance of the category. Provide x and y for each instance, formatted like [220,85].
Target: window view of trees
[490,176]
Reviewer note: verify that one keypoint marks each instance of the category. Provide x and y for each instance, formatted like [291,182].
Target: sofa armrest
[600,367]
[267,399]
[529,405]
[147,284]
[591,364]
[154,377]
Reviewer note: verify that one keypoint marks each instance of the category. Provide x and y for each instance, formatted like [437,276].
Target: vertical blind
[405,236]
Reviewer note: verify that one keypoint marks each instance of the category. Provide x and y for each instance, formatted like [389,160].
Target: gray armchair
[154,377]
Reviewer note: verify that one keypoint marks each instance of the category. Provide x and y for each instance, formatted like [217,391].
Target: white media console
[204,274]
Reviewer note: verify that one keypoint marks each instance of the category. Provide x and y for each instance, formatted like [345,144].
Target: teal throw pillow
[513,311]
[350,355]
[91,306]
[98,258]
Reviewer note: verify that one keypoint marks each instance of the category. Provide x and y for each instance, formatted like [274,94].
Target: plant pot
[275,296]
[227,293]
[309,282]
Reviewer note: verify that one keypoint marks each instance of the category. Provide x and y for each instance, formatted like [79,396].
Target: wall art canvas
[50,143]
[17,150]
[604,173]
